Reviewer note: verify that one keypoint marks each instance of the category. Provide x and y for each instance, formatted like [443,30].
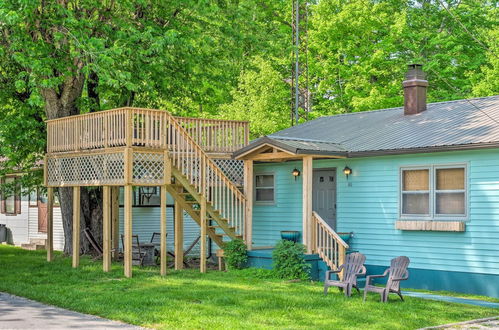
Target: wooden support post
[307,202]
[50,224]
[163,232]
[106,229]
[179,236]
[248,212]
[204,224]
[115,221]
[76,227]
[127,259]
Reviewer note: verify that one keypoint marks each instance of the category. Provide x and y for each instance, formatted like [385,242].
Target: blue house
[420,180]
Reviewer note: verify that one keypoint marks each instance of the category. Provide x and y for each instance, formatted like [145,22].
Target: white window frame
[432,194]
[255,188]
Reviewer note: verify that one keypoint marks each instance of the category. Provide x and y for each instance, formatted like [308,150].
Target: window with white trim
[264,188]
[433,192]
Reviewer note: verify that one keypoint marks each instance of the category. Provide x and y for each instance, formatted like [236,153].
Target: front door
[324,195]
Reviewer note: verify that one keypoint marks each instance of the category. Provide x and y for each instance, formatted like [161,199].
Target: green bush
[289,261]
[235,254]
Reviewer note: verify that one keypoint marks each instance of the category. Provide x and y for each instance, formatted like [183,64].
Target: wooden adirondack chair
[396,273]
[353,267]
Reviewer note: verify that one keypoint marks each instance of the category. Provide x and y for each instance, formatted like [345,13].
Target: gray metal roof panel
[452,123]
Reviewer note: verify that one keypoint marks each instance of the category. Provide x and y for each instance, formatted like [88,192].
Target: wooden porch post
[50,224]
[76,227]
[248,192]
[106,228]
[179,236]
[163,252]
[202,220]
[127,259]
[307,202]
[115,221]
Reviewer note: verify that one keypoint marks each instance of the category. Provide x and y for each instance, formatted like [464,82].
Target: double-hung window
[264,188]
[434,192]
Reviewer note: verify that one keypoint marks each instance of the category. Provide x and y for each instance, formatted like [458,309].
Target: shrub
[289,261]
[235,254]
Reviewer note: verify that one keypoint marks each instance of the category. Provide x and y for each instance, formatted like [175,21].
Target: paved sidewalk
[468,301]
[21,313]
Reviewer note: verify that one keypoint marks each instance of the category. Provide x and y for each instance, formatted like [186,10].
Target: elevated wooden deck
[128,145]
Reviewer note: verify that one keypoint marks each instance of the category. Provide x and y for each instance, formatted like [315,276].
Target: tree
[262,97]
[360,48]
[62,58]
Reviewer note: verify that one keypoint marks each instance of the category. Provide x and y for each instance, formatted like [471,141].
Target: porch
[270,164]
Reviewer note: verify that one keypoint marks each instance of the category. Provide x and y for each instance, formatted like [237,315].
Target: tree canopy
[228,59]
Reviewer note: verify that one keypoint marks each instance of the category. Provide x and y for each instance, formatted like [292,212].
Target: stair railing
[327,243]
[160,129]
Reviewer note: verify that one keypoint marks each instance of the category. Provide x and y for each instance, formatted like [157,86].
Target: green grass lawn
[188,299]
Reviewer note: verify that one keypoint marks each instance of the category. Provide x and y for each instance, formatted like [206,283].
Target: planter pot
[290,235]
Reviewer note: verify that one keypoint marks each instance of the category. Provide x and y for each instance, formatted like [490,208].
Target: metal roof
[461,124]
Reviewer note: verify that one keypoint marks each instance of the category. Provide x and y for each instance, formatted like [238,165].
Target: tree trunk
[61,102]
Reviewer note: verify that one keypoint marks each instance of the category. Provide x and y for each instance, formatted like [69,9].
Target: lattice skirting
[91,169]
[109,169]
[233,169]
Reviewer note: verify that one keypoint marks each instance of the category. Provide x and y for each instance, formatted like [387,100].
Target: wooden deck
[189,158]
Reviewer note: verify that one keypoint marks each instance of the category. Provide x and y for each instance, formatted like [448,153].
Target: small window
[10,203]
[416,192]
[143,197]
[264,188]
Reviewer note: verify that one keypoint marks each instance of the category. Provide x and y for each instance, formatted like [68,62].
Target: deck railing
[327,243]
[154,129]
[130,127]
[215,135]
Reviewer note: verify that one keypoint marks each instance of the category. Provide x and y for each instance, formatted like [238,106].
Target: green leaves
[289,261]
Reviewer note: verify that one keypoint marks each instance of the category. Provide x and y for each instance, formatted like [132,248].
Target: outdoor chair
[156,240]
[396,273]
[137,254]
[353,267]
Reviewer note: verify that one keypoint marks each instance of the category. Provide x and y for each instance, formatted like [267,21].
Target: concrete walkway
[21,313]
[476,302]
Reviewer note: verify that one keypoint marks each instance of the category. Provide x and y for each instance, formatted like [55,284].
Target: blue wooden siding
[146,221]
[367,204]
[286,212]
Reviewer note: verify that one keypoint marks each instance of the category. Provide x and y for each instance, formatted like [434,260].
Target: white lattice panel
[148,168]
[97,169]
[233,169]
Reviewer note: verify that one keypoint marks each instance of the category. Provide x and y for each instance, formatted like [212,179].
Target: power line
[462,95]
[455,18]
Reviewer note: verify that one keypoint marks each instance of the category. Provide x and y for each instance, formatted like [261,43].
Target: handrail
[109,128]
[327,243]
[163,130]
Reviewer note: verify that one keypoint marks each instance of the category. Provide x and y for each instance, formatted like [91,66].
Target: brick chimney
[415,84]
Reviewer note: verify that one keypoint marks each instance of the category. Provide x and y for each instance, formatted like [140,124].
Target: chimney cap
[415,72]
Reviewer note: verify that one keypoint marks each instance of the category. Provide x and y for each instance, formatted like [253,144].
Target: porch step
[38,241]
[33,247]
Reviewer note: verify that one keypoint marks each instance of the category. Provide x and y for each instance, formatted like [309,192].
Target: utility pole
[300,100]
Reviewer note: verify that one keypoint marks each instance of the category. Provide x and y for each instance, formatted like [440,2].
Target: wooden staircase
[219,229]
[197,181]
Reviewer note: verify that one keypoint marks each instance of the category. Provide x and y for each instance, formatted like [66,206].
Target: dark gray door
[324,195]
